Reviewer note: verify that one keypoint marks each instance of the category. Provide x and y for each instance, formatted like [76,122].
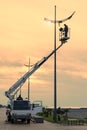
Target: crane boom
[23,79]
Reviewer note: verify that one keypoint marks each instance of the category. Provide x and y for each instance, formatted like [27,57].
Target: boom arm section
[23,79]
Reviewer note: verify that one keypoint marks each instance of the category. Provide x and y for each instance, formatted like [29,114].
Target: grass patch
[69,121]
[49,118]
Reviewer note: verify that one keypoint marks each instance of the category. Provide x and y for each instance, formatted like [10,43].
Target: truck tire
[9,118]
[12,121]
[23,120]
[28,121]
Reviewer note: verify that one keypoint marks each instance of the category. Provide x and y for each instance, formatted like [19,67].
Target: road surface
[4,125]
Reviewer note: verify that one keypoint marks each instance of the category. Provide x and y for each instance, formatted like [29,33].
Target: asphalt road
[4,125]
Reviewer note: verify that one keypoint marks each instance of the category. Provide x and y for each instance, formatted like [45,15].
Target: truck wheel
[9,118]
[12,121]
[23,120]
[28,121]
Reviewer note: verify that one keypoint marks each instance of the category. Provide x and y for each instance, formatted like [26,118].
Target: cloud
[9,63]
[71,89]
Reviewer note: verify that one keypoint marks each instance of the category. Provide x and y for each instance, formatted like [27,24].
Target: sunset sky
[24,34]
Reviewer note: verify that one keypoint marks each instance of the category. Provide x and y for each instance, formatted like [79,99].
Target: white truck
[20,109]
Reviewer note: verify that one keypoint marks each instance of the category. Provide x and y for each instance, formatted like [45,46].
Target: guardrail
[74,122]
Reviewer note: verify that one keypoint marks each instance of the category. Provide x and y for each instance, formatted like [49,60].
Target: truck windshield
[21,105]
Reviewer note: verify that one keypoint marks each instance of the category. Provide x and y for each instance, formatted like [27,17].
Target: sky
[24,34]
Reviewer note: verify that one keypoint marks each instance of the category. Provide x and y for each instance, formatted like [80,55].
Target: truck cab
[36,107]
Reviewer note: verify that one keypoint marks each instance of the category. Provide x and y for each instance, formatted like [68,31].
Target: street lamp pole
[55,99]
[54,22]
[28,80]
[28,65]
[29,83]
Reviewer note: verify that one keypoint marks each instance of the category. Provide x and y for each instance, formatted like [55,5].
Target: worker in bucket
[65,30]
